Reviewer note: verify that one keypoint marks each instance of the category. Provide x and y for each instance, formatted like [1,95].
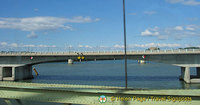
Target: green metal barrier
[97,95]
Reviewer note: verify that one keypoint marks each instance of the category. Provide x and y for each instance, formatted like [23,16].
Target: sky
[92,25]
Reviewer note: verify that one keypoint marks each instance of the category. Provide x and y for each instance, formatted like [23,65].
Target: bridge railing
[103,52]
[90,95]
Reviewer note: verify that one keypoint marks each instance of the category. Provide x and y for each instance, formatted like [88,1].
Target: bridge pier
[198,71]
[15,72]
[141,61]
[70,61]
[185,75]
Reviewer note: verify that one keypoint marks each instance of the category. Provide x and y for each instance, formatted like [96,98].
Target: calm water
[111,73]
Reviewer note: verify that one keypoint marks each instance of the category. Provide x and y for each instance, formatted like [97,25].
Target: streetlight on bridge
[125,57]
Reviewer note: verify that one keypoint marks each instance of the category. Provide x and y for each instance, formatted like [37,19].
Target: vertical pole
[198,71]
[125,57]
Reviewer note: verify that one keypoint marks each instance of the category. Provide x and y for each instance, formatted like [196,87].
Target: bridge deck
[147,52]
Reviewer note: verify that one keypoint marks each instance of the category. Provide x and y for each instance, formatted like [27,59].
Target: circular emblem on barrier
[31,58]
[102,99]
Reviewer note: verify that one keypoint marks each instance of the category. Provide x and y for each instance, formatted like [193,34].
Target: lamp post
[125,57]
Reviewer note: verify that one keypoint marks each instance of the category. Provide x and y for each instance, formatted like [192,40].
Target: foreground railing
[96,95]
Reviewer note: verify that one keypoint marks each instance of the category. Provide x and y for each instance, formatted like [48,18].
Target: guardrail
[105,52]
[96,95]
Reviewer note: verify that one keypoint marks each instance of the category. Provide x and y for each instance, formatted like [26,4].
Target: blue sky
[98,24]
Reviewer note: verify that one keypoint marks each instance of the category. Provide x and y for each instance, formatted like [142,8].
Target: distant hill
[190,48]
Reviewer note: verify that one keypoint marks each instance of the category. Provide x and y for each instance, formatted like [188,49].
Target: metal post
[125,57]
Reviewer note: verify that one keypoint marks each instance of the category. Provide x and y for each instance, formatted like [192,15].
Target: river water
[111,73]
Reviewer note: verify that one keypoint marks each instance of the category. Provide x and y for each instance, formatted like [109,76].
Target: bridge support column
[185,74]
[23,72]
[13,72]
[198,71]
[1,73]
[141,61]
[70,61]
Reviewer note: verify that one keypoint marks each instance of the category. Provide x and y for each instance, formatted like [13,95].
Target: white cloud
[177,32]
[161,45]
[191,27]
[29,45]
[84,46]
[6,44]
[80,19]
[185,2]
[150,12]
[118,46]
[34,24]
[179,28]
[147,32]
[3,43]
[87,46]
[191,2]
[42,46]
[13,45]
[32,35]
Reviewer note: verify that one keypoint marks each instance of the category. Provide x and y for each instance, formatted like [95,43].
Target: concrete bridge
[18,65]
